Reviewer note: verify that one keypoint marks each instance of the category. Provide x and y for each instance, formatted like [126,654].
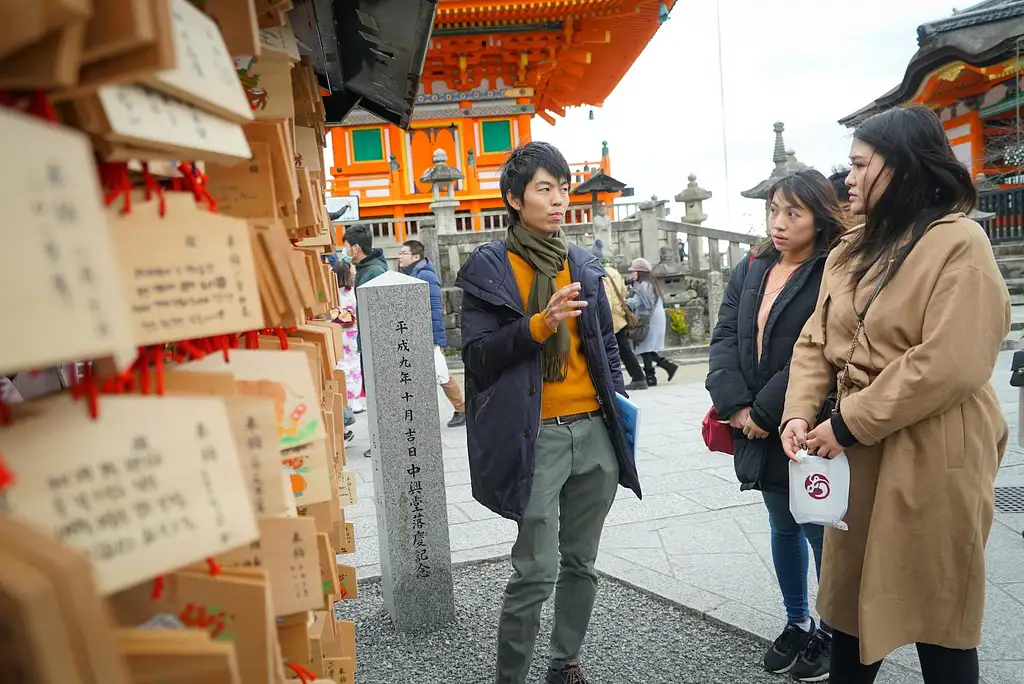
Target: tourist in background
[370,263]
[412,262]
[838,180]
[767,302]
[349,362]
[911,315]
[615,293]
[647,303]
[546,447]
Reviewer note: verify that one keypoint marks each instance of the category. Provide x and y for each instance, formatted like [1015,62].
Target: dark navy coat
[737,378]
[424,270]
[504,380]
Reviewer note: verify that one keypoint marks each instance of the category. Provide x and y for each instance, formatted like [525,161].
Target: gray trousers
[574,482]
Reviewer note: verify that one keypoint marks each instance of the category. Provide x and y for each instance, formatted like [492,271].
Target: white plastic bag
[819,489]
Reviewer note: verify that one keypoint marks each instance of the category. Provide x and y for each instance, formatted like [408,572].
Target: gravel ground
[633,639]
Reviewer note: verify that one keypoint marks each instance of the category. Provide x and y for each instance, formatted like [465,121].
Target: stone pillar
[405,438]
[603,230]
[716,293]
[444,216]
[650,227]
[431,245]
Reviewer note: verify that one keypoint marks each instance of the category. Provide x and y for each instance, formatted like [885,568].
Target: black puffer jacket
[737,378]
[503,375]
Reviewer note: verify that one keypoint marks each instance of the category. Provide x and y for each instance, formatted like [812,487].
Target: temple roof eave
[979,44]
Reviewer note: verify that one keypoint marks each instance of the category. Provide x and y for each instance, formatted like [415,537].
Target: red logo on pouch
[817,486]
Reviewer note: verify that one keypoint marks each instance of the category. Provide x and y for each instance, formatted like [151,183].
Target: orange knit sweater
[575,394]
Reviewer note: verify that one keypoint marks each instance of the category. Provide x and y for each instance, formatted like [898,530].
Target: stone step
[1016,289]
[1004,249]
[1012,267]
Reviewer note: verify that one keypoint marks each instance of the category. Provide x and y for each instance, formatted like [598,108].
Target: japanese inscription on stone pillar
[412,512]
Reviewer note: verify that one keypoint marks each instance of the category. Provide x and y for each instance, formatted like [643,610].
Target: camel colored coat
[931,435]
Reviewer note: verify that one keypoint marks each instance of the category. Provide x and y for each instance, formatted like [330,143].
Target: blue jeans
[789,553]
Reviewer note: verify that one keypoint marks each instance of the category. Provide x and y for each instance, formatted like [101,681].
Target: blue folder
[629,416]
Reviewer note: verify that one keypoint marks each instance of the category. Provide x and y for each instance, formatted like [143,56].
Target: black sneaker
[813,663]
[784,653]
[367,453]
[458,420]
[572,673]
[636,385]
[349,436]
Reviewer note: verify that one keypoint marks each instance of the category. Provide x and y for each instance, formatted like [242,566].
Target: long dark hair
[648,277]
[927,182]
[343,269]
[809,189]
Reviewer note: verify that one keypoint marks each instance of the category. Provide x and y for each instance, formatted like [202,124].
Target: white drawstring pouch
[819,489]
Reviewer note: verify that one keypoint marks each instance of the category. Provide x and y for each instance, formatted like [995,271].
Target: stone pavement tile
[1002,635]
[366,526]
[456,478]
[757,622]
[479,533]
[1004,672]
[641,535]
[669,460]
[652,559]
[892,673]
[459,494]
[1005,556]
[752,519]
[678,482]
[906,657]
[716,536]
[482,553]
[724,496]
[629,510]
[475,511]
[1010,476]
[367,553]
[648,580]
[1016,590]
[741,577]
[725,473]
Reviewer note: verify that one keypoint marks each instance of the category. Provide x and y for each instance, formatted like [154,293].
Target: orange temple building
[968,70]
[489,69]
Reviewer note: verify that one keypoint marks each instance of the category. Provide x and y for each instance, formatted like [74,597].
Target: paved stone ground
[696,540]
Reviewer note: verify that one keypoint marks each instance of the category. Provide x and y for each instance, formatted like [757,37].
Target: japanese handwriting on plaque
[204,74]
[59,263]
[254,426]
[127,495]
[188,274]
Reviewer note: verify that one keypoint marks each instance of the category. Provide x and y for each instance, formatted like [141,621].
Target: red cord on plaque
[153,188]
[86,387]
[115,181]
[6,474]
[213,566]
[304,675]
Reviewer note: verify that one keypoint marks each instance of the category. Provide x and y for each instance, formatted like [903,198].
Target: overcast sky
[804,62]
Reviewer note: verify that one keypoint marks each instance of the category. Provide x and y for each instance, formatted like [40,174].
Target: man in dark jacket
[370,263]
[546,448]
[412,262]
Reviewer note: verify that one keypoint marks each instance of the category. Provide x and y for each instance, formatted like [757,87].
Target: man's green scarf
[546,255]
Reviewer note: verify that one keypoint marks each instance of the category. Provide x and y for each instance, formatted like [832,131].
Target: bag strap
[844,375]
[618,295]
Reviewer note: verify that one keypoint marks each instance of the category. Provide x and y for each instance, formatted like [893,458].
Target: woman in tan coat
[908,325]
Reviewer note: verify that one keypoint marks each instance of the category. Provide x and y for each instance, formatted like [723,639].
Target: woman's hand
[822,441]
[752,430]
[794,437]
[740,418]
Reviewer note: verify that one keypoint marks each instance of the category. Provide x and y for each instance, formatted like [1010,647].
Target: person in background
[546,447]
[767,302]
[909,322]
[648,303]
[349,362]
[838,181]
[615,293]
[412,262]
[370,263]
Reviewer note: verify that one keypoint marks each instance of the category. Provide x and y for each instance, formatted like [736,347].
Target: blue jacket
[503,375]
[424,270]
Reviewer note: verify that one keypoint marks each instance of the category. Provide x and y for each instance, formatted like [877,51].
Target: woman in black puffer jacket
[768,300]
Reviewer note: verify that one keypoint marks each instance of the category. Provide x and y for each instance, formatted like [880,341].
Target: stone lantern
[786,163]
[693,198]
[443,179]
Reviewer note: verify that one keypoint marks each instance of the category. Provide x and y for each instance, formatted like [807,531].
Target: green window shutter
[367,145]
[497,136]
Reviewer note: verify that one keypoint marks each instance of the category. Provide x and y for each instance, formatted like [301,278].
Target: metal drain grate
[1010,499]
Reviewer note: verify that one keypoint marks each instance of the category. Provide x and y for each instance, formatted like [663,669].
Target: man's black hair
[415,247]
[359,234]
[523,163]
[838,181]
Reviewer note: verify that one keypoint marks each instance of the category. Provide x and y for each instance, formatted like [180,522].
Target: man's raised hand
[564,304]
